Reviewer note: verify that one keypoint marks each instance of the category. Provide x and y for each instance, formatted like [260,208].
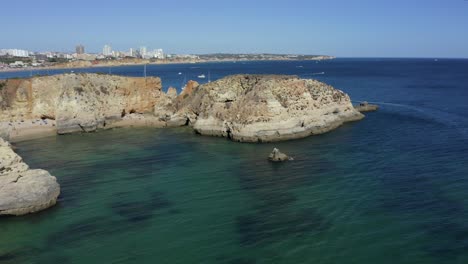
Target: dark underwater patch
[235,260]
[140,210]
[242,261]
[269,228]
[133,211]
[9,256]
[274,200]
[159,201]
[19,255]
[86,229]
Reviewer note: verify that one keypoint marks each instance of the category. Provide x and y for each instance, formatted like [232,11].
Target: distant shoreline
[73,65]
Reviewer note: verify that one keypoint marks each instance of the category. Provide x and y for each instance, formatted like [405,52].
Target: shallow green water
[170,196]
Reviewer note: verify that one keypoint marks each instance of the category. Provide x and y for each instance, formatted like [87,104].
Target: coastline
[29,129]
[107,65]
[281,107]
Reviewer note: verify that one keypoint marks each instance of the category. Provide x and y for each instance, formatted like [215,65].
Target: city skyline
[361,28]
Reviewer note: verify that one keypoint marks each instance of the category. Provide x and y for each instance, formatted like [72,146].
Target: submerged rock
[23,190]
[366,107]
[263,108]
[276,155]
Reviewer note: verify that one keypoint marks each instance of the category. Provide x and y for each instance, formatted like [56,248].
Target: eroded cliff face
[75,102]
[23,190]
[263,108]
[247,108]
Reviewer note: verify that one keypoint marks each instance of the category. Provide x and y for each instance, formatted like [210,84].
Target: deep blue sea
[392,188]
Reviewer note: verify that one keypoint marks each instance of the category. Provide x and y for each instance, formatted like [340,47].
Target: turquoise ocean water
[391,188]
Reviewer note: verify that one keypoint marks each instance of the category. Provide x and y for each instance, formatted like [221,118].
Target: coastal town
[19,59]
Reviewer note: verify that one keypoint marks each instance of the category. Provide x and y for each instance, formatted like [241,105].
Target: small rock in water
[277,156]
[366,107]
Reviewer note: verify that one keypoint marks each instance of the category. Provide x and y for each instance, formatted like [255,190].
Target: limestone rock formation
[23,190]
[189,88]
[76,102]
[263,108]
[247,108]
[172,92]
[276,155]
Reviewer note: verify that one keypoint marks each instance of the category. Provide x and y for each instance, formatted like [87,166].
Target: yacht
[202,76]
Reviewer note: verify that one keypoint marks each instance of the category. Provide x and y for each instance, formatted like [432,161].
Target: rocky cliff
[23,190]
[76,102]
[263,108]
[247,108]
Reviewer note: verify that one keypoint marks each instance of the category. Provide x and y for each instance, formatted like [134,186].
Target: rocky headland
[243,108]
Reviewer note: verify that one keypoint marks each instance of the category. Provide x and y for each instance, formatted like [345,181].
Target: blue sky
[345,28]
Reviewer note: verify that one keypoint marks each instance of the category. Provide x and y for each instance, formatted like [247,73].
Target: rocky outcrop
[76,102]
[189,88]
[277,156]
[244,108]
[23,190]
[172,92]
[366,107]
[264,108]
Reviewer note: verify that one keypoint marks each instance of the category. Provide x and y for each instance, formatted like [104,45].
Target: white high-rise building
[159,54]
[15,52]
[143,51]
[107,50]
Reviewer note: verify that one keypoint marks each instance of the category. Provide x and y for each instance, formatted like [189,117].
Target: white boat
[202,76]
[180,73]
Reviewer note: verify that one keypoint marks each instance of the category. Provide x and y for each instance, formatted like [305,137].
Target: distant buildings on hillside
[142,52]
[80,49]
[107,50]
[14,53]
[81,54]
